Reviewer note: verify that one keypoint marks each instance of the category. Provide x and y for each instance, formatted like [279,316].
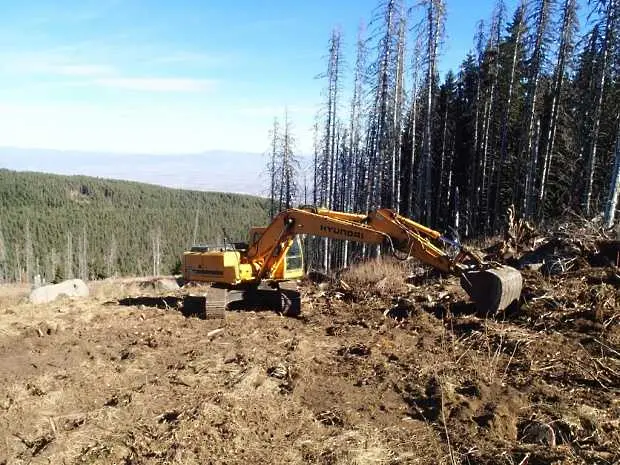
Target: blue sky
[184,76]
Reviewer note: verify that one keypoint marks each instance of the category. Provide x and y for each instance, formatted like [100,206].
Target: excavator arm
[268,251]
[492,287]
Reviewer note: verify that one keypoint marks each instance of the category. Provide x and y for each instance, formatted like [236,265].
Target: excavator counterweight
[262,272]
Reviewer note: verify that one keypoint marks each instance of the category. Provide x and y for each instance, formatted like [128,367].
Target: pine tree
[68,274]
[528,152]
[511,56]
[614,187]
[83,256]
[288,165]
[609,24]
[29,254]
[434,30]
[3,257]
[565,49]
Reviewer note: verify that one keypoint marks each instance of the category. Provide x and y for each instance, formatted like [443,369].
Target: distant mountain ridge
[215,171]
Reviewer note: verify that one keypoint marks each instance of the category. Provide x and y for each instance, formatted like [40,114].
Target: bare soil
[369,376]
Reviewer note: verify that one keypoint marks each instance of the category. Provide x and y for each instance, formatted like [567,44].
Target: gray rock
[70,288]
[166,285]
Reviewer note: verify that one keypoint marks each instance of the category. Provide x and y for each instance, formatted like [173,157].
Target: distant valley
[218,171]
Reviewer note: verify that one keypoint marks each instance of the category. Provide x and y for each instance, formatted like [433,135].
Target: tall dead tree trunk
[69,257]
[273,168]
[415,79]
[488,153]
[516,38]
[397,123]
[355,130]
[156,250]
[530,113]
[610,14]
[474,169]
[614,185]
[83,256]
[3,257]
[569,19]
[28,253]
[435,16]
[383,130]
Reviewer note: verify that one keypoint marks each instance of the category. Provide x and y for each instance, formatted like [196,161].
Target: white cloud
[82,70]
[151,84]
[54,62]
[185,57]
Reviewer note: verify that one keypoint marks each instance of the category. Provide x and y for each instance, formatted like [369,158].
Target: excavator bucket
[494,289]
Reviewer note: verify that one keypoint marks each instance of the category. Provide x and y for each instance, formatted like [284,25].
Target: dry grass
[116,384]
[11,294]
[383,276]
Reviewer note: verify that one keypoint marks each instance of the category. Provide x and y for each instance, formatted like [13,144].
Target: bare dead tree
[288,165]
[274,178]
[565,49]
[156,250]
[416,64]
[3,257]
[610,18]
[614,185]
[112,256]
[434,30]
[488,148]
[355,130]
[83,256]
[69,257]
[28,253]
[542,16]
[516,47]
[397,124]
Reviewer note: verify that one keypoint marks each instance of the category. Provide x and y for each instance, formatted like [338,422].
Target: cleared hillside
[122,377]
[48,221]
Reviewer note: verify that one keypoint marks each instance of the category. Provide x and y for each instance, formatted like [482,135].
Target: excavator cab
[293,263]
[291,266]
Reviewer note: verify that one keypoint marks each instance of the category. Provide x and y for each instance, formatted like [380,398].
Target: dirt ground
[394,374]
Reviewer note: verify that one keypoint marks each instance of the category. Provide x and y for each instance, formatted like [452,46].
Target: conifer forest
[61,227]
[530,118]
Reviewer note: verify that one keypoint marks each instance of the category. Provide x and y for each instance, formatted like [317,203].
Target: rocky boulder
[70,288]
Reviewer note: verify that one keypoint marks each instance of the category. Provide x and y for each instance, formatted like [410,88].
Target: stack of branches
[565,246]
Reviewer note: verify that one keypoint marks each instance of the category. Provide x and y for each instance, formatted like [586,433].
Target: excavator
[241,274]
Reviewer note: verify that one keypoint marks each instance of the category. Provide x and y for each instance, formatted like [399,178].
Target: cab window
[294,257]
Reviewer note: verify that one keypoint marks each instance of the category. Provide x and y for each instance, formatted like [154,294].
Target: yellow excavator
[239,273]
